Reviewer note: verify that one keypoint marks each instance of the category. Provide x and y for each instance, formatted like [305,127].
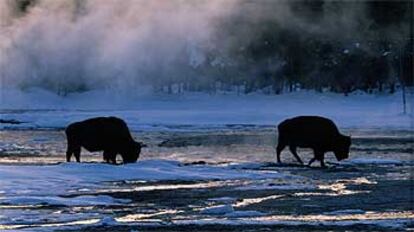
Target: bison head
[343,145]
[132,152]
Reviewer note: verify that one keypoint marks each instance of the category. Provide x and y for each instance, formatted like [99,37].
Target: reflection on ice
[85,200]
[30,225]
[382,219]
[339,217]
[249,201]
[340,186]
[139,216]
[210,184]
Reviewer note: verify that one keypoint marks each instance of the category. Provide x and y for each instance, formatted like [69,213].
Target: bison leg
[109,157]
[316,156]
[319,155]
[322,162]
[71,150]
[311,161]
[68,154]
[77,152]
[106,156]
[279,148]
[113,159]
[293,150]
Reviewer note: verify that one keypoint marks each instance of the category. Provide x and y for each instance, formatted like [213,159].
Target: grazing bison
[318,133]
[109,134]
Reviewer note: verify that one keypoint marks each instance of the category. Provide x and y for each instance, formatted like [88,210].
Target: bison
[318,133]
[109,134]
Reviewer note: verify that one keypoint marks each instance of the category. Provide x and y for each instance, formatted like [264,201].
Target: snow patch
[385,223]
[228,211]
[289,186]
[73,201]
[247,165]
[218,210]
[223,199]
[41,109]
[244,213]
[32,180]
[346,211]
[372,161]
[107,221]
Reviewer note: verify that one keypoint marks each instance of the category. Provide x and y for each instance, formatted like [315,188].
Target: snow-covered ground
[76,195]
[34,184]
[42,109]
[30,184]
[24,188]
[235,184]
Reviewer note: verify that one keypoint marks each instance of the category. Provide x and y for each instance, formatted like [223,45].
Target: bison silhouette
[317,133]
[108,134]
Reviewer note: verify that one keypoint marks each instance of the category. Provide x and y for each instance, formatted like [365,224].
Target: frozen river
[206,179]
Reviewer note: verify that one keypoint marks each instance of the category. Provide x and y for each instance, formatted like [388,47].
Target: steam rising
[103,43]
[125,44]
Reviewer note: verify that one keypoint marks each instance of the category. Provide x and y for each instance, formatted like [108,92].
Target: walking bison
[108,134]
[317,133]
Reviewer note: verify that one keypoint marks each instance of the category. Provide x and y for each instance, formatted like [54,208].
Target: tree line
[375,56]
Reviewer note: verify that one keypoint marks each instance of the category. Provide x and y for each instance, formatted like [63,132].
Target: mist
[94,44]
[74,46]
